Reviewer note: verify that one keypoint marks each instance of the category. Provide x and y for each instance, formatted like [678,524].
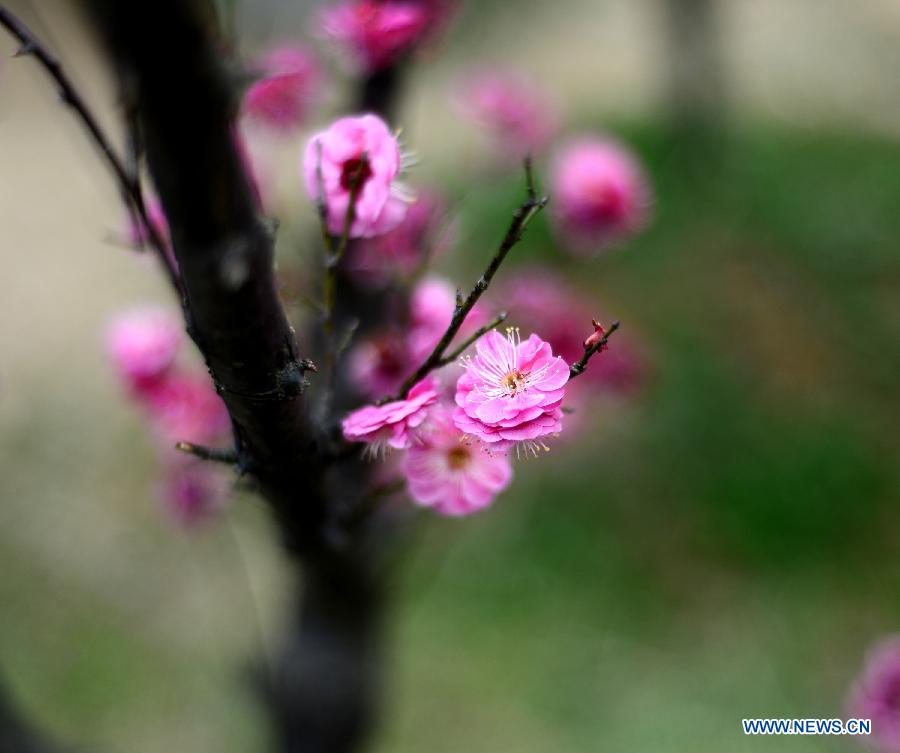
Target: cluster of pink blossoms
[377,33]
[457,461]
[508,399]
[179,403]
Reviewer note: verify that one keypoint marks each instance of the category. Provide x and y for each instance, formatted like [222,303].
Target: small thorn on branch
[229,457]
[594,344]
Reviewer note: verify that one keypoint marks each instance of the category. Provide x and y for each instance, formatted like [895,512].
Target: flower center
[514,382]
[355,171]
[457,458]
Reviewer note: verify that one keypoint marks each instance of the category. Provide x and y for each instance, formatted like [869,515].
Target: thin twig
[129,185]
[578,367]
[476,335]
[229,457]
[520,220]
[321,203]
[529,179]
[334,254]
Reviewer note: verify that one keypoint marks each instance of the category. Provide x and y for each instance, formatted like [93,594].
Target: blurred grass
[722,546]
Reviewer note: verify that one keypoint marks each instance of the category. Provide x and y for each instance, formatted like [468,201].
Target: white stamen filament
[499,376]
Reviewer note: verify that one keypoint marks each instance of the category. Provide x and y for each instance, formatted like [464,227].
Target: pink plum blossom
[511,109]
[452,476]
[282,98]
[185,407]
[379,365]
[393,424]
[600,194]
[360,148]
[431,308]
[876,695]
[511,392]
[377,33]
[191,492]
[376,261]
[143,343]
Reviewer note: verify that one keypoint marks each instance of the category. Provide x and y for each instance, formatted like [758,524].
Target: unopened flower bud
[595,337]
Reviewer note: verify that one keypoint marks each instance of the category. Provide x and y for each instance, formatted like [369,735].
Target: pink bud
[596,336]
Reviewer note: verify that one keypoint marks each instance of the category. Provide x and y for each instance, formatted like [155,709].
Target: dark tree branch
[579,366]
[129,184]
[185,108]
[520,219]
[322,693]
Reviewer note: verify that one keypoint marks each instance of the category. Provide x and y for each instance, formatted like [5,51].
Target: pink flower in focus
[357,146]
[511,109]
[185,407]
[600,194]
[537,299]
[192,492]
[451,476]
[376,33]
[876,695]
[398,253]
[379,366]
[393,424]
[281,99]
[511,392]
[143,343]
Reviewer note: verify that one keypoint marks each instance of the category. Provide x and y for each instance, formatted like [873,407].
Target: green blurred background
[721,546]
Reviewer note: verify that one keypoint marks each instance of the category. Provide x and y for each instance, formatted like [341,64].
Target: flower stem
[521,218]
